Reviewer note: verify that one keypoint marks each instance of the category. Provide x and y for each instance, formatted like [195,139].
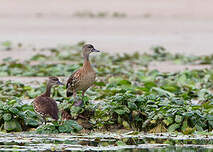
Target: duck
[83,78]
[44,105]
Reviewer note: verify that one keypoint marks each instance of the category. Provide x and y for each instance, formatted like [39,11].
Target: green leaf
[31,122]
[126,125]
[47,129]
[7,116]
[12,125]
[168,121]
[101,84]
[120,143]
[70,126]
[178,118]
[124,82]
[14,110]
[120,111]
[173,127]
[198,128]
[30,113]
[185,125]
[210,123]
[5,107]
[163,92]
[132,106]
[11,102]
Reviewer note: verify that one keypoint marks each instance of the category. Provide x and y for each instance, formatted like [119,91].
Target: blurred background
[111,25]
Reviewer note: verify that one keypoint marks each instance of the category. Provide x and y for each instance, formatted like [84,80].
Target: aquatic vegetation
[15,116]
[118,64]
[6,45]
[69,126]
[89,14]
[126,95]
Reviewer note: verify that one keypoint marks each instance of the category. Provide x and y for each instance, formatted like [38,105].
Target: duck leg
[77,102]
[44,120]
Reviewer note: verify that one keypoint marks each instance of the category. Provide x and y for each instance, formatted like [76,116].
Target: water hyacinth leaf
[21,115]
[178,118]
[75,126]
[120,111]
[171,87]
[31,122]
[14,110]
[1,113]
[148,85]
[65,129]
[188,114]
[27,107]
[47,129]
[126,125]
[210,117]
[184,125]
[100,83]
[173,127]
[5,107]
[188,131]
[30,113]
[124,82]
[210,122]
[7,116]
[168,121]
[11,102]
[132,106]
[70,126]
[1,105]
[163,92]
[120,143]
[198,128]
[12,125]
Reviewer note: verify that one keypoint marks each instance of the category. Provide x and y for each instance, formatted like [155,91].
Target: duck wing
[73,82]
[46,106]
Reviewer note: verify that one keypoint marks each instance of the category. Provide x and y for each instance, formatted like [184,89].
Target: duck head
[54,81]
[87,49]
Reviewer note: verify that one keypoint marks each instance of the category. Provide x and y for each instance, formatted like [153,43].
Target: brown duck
[83,78]
[44,105]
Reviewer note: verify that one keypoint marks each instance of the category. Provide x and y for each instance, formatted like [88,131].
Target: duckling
[83,78]
[44,104]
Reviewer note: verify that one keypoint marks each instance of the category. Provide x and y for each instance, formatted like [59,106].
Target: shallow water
[105,142]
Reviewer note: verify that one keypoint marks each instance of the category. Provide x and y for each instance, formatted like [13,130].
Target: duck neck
[86,61]
[48,90]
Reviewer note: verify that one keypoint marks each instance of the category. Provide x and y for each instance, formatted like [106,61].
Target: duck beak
[94,50]
[60,83]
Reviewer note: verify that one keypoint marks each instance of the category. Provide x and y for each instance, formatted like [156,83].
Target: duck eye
[55,79]
[90,46]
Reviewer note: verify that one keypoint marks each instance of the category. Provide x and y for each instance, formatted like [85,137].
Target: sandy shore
[179,25]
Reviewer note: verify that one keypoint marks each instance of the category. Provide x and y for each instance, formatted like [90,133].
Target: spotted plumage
[44,104]
[83,78]
[73,82]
